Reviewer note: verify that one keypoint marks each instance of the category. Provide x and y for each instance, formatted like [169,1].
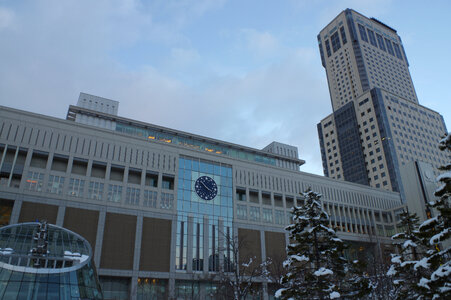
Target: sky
[245,71]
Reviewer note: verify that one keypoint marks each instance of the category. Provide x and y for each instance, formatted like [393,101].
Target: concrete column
[136,257]
[14,219]
[12,167]
[99,237]
[60,215]
[171,282]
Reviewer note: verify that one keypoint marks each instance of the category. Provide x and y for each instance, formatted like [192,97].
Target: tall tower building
[377,128]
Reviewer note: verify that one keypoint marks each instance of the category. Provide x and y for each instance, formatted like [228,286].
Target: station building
[156,204]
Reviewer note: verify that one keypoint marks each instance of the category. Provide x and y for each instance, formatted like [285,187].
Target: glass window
[380,41]
[55,184]
[335,42]
[397,51]
[372,38]
[254,213]
[114,193]
[389,47]
[329,53]
[132,196]
[34,181]
[167,201]
[76,187]
[267,215]
[95,190]
[363,35]
[150,199]
[241,211]
[279,217]
[168,182]
[343,35]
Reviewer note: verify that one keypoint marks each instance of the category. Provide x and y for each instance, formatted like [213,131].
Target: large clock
[206,188]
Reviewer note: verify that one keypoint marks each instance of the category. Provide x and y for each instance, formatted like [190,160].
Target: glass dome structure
[44,261]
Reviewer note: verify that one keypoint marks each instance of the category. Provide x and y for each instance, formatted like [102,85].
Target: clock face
[206,188]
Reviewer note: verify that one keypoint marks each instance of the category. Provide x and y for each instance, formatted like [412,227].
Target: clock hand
[205,186]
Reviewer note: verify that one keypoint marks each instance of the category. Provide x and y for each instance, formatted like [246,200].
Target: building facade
[377,125]
[157,204]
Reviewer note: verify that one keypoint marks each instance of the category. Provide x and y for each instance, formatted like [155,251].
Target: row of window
[114,193]
[377,40]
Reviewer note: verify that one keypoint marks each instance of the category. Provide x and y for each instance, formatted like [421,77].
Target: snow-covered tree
[437,230]
[408,265]
[316,267]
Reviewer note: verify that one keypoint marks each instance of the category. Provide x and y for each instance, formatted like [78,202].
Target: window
[79,166]
[397,51]
[254,213]
[98,170]
[389,47]
[132,196]
[168,182]
[95,190]
[335,42]
[372,38]
[241,212]
[34,181]
[279,217]
[380,41]
[167,201]
[76,187]
[152,179]
[55,185]
[363,35]
[241,195]
[59,163]
[150,199]
[114,193]
[267,215]
[328,48]
[343,35]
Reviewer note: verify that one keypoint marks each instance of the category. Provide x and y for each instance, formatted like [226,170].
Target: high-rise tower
[377,128]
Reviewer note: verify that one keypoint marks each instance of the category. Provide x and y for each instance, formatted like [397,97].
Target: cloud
[61,50]
[260,43]
[6,18]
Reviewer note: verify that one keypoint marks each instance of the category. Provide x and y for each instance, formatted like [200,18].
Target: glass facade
[65,271]
[194,144]
[210,221]
[352,157]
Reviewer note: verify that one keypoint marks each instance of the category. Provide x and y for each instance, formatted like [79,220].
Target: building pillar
[220,250]
[189,244]
[136,256]
[171,281]
[99,237]
[14,219]
[263,258]
[206,238]
[60,216]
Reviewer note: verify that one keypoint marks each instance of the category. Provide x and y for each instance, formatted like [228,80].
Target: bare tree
[239,275]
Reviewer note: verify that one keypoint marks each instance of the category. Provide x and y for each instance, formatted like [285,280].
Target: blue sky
[246,72]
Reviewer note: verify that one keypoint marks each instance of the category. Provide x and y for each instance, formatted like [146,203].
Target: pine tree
[408,266]
[316,268]
[437,230]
